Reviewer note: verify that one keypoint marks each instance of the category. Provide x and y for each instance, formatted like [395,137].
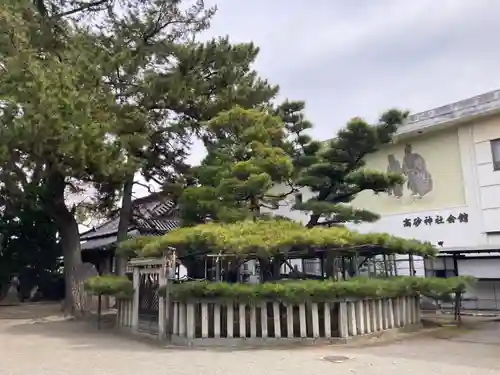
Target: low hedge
[315,290]
[110,285]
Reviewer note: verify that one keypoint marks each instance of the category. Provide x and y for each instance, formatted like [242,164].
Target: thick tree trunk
[313,220]
[70,243]
[123,225]
[195,268]
[270,269]
[74,303]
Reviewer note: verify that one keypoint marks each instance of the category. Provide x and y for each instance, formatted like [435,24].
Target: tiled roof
[150,217]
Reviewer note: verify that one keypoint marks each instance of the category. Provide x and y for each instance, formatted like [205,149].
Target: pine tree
[57,123]
[338,174]
[245,159]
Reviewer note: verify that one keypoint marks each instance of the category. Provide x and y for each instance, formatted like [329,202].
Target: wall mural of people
[419,179]
[395,167]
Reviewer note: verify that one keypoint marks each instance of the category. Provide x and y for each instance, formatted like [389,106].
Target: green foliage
[29,246]
[268,237]
[110,285]
[209,78]
[245,158]
[337,174]
[314,290]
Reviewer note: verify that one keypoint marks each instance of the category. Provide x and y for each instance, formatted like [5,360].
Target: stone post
[135,302]
[343,325]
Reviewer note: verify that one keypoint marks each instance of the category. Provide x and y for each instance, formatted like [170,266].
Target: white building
[452,197]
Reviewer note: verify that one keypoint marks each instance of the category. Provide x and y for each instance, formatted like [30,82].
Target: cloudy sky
[349,58]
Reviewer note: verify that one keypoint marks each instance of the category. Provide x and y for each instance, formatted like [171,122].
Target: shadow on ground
[29,321]
[27,311]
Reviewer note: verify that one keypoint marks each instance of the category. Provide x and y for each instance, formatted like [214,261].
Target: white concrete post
[263,319]
[351,319]
[162,308]
[182,319]
[204,320]
[253,321]
[289,321]
[216,320]
[390,311]
[328,321]
[302,320]
[243,323]
[409,310]
[315,320]
[380,315]
[190,321]
[230,320]
[385,309]
[360,317]
[135,302]
[175,320]
[368,318]
[277,320]
[343,325]
[404,316]
[397,312]
[419,312]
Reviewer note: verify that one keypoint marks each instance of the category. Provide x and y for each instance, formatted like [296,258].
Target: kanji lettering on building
[451,219]
[439,219]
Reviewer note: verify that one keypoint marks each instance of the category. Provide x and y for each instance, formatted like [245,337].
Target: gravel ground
[34,342]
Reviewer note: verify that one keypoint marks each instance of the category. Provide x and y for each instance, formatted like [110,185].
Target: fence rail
[211,321]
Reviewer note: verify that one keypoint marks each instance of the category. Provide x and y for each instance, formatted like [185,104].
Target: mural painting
[418,178]
[432,170]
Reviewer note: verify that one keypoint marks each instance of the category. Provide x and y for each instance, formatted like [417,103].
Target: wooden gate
[148,300]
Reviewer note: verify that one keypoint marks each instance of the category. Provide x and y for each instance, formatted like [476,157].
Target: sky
[348,58]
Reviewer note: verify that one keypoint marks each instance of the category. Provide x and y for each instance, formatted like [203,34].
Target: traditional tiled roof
[152,215]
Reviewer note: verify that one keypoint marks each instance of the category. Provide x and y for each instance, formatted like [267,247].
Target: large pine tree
[338,174]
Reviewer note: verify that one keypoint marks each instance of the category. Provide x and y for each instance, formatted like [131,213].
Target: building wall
[434,216]
[448,211]
[460,208]
[488,180]
[440,186]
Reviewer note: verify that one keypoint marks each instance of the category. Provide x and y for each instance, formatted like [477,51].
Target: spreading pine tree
[338,172]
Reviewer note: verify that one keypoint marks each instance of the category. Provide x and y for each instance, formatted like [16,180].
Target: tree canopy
[265,238]
[245,158]
[338,174]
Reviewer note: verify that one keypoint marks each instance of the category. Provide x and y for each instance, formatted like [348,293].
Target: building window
[495,152]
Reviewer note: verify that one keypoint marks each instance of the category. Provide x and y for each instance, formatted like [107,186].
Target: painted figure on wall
[415,169]
[394,166]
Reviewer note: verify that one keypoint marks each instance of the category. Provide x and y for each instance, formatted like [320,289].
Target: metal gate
[148,302]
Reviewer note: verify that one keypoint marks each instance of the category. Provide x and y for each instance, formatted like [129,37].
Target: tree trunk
[123,225]
[313,220]
[74,303]
[195,267]
[70,243]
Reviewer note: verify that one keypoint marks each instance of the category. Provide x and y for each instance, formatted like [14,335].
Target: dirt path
[35,341]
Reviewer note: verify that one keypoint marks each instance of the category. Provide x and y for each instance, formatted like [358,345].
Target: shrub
[316,290]
[110,285]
